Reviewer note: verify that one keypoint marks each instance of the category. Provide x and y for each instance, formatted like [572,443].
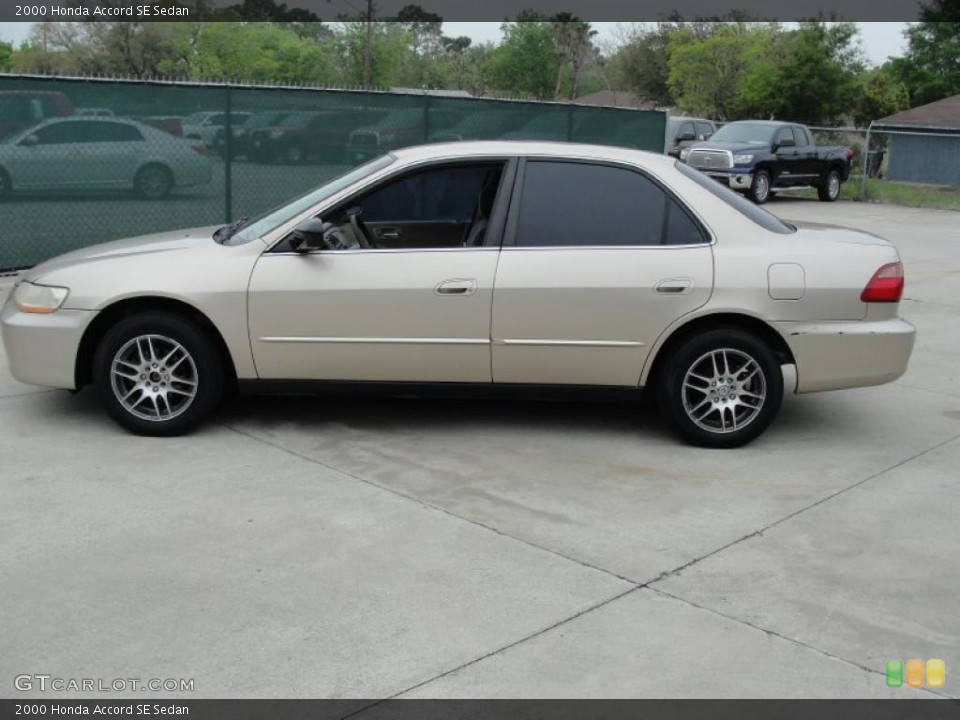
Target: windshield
[196,118]
[749,133]
[271,220]
[264,119]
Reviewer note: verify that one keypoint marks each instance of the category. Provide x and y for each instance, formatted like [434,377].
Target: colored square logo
[914,673]
[894,673]
[936,673]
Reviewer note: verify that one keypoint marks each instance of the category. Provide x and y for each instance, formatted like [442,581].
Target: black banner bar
[489,709]
[457,10]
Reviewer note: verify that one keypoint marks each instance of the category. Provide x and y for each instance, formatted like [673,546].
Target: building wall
[925,159]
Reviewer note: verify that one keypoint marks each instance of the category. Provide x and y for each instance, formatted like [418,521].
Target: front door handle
[388,232]
[674,286]
[456,287]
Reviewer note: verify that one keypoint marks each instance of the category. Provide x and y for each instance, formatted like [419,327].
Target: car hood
[165,242]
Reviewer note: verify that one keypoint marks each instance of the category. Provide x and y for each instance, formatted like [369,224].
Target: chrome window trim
[276,236]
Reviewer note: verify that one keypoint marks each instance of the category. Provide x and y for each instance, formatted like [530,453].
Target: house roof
[942,114]
[611,98]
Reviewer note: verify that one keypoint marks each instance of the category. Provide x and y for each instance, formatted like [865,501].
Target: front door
[598,262]
[408,310]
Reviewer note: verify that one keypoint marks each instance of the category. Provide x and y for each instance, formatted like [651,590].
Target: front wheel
[759,191]
[829,190]
[721,389]
[158,374]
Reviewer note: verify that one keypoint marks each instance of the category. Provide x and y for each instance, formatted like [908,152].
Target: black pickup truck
[760,157]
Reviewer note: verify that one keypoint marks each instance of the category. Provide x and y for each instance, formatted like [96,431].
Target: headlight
[742,159]
[30,298]
[684,154]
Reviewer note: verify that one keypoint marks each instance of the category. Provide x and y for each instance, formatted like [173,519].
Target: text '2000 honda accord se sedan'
[487,265]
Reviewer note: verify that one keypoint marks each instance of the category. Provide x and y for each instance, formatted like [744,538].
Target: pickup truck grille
[710,159]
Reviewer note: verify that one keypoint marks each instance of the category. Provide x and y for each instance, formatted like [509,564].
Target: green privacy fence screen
[83,161]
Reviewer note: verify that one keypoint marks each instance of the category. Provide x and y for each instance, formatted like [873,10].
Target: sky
[880,40]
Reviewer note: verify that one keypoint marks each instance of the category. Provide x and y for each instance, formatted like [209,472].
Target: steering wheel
[360,230]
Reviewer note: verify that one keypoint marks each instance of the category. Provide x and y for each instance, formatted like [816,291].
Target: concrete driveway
[312,547]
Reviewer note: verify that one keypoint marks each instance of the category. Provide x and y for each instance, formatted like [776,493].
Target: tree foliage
[930,69]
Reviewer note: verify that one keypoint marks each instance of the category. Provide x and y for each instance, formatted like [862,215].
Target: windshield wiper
[222,234]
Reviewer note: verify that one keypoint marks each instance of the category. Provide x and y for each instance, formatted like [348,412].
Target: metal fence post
[866,161]
[228,159]
[426,118]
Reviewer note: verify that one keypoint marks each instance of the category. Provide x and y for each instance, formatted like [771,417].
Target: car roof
[512,148]
[767,123]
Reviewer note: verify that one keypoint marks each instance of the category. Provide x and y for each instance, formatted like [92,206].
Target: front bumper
[735,180]
[42,349]
[836,355]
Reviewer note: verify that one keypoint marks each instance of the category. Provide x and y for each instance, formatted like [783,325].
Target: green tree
[707,76]
[6,56]
[572,41]
[641,64]
[931,66]
[817,75]
[525,62]
[879,93]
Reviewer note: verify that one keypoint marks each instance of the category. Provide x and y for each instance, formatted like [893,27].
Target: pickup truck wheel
[760,189]
[829,190]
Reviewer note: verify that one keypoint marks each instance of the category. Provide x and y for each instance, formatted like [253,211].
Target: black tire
[153,182]
[681,398]
[759,190]
[829,189]
[294,155]
[124,342]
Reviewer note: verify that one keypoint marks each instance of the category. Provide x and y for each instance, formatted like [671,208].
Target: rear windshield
[761,217]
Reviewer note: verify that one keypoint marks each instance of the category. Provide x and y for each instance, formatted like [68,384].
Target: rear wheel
[153,182]
[293,155]
[829,189]
[721,389]
[760,188]
[158,374]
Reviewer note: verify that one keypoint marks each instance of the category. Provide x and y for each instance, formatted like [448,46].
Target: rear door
[789,162]
[598,260]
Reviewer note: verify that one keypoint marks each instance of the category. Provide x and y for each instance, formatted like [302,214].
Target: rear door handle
[456,287]
[674,286]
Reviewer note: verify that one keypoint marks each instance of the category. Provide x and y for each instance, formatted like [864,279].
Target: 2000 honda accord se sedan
[475,265]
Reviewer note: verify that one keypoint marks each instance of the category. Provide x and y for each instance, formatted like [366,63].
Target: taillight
[886,285]
[850,153]
[201,148]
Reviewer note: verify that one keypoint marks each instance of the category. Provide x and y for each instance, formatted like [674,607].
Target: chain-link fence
[88,160]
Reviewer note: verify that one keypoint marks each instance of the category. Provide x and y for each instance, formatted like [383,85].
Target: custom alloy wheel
[720,388]
[154,377]
[158,373]
[724,390]
[153,182]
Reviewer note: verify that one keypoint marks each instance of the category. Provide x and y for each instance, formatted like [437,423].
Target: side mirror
[686,136]
[30,141]
[308,236]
